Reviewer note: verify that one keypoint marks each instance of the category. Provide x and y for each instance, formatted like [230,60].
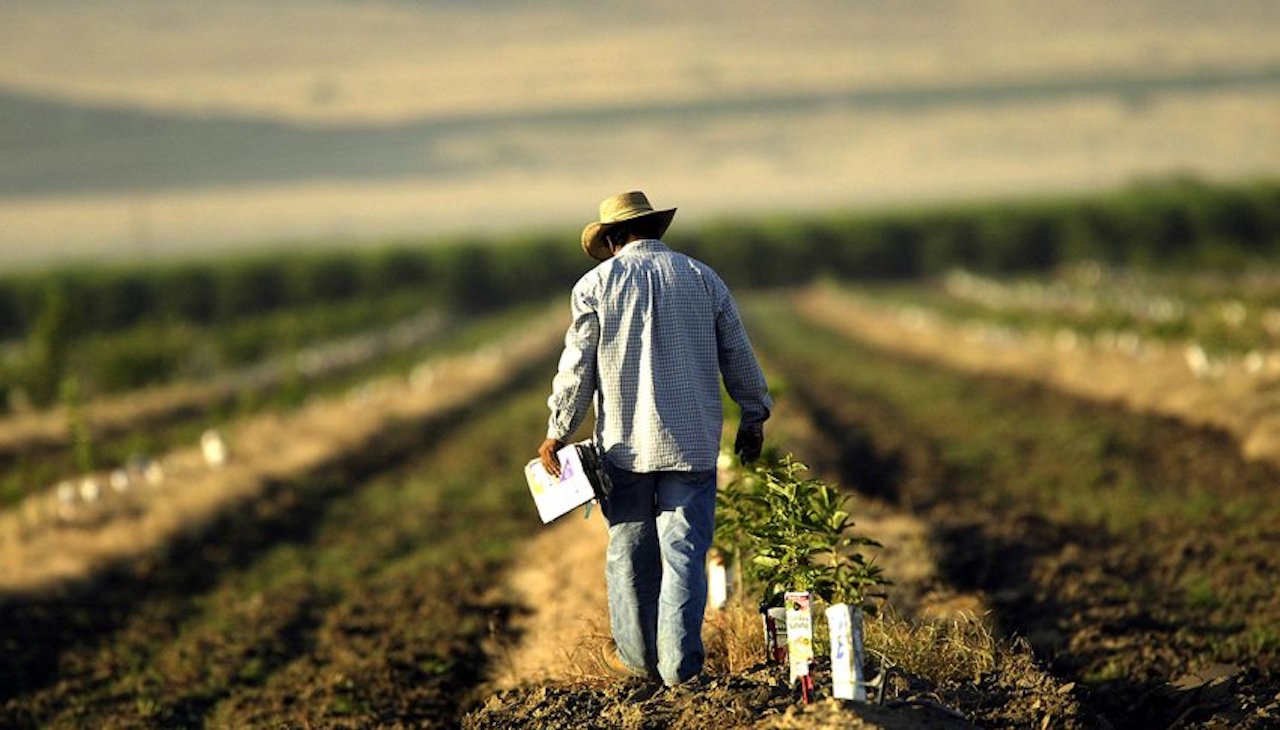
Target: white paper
[555,497]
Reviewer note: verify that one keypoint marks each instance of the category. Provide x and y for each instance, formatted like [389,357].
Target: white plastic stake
[845,626]
[717,580]
[859,666]
[214,448]
[838,625]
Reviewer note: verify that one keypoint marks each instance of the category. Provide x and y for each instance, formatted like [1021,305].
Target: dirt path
[558,577]
[557,637]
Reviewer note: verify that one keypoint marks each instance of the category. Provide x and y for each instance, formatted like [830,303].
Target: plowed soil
[1163,615]
[356,595]
[383,591]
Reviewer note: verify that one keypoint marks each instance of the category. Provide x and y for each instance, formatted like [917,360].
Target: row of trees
[1184,223]
[461,274]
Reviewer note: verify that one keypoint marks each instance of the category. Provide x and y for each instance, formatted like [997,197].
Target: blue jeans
[660,526]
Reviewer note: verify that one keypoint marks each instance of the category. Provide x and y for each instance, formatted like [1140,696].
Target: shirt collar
[647,245]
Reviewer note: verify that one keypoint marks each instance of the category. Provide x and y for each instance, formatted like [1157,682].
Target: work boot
[614,665]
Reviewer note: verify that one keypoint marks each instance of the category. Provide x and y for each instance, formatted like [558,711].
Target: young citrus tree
[788,532]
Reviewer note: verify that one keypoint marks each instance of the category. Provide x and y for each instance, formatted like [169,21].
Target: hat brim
[593,242]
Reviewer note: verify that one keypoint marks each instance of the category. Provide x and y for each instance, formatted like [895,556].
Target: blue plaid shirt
[653,330]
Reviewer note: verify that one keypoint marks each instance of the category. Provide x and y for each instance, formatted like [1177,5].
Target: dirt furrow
[1125,547]
[354,594]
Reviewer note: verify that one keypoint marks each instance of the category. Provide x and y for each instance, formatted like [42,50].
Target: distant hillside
[52,146]
[152,128]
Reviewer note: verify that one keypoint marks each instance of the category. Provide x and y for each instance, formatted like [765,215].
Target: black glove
[749,442]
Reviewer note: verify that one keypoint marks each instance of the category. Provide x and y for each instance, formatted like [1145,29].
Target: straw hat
[619,209]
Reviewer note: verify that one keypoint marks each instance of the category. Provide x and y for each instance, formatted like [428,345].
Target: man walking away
[653,332]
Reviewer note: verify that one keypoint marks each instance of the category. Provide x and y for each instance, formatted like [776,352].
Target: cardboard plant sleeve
[775,634]
[799,633]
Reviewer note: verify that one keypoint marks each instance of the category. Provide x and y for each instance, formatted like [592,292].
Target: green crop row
[123,328]
[464,275]
[154,352]
[275,384]
[1175,223]
[1180,223]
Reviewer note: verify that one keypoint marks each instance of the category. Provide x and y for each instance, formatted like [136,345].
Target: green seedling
[789,532]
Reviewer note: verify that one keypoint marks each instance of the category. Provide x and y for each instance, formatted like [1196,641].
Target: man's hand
[749,442]
[550,461]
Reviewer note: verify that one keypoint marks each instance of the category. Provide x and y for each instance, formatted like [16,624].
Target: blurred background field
[144,128]
[325,238]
